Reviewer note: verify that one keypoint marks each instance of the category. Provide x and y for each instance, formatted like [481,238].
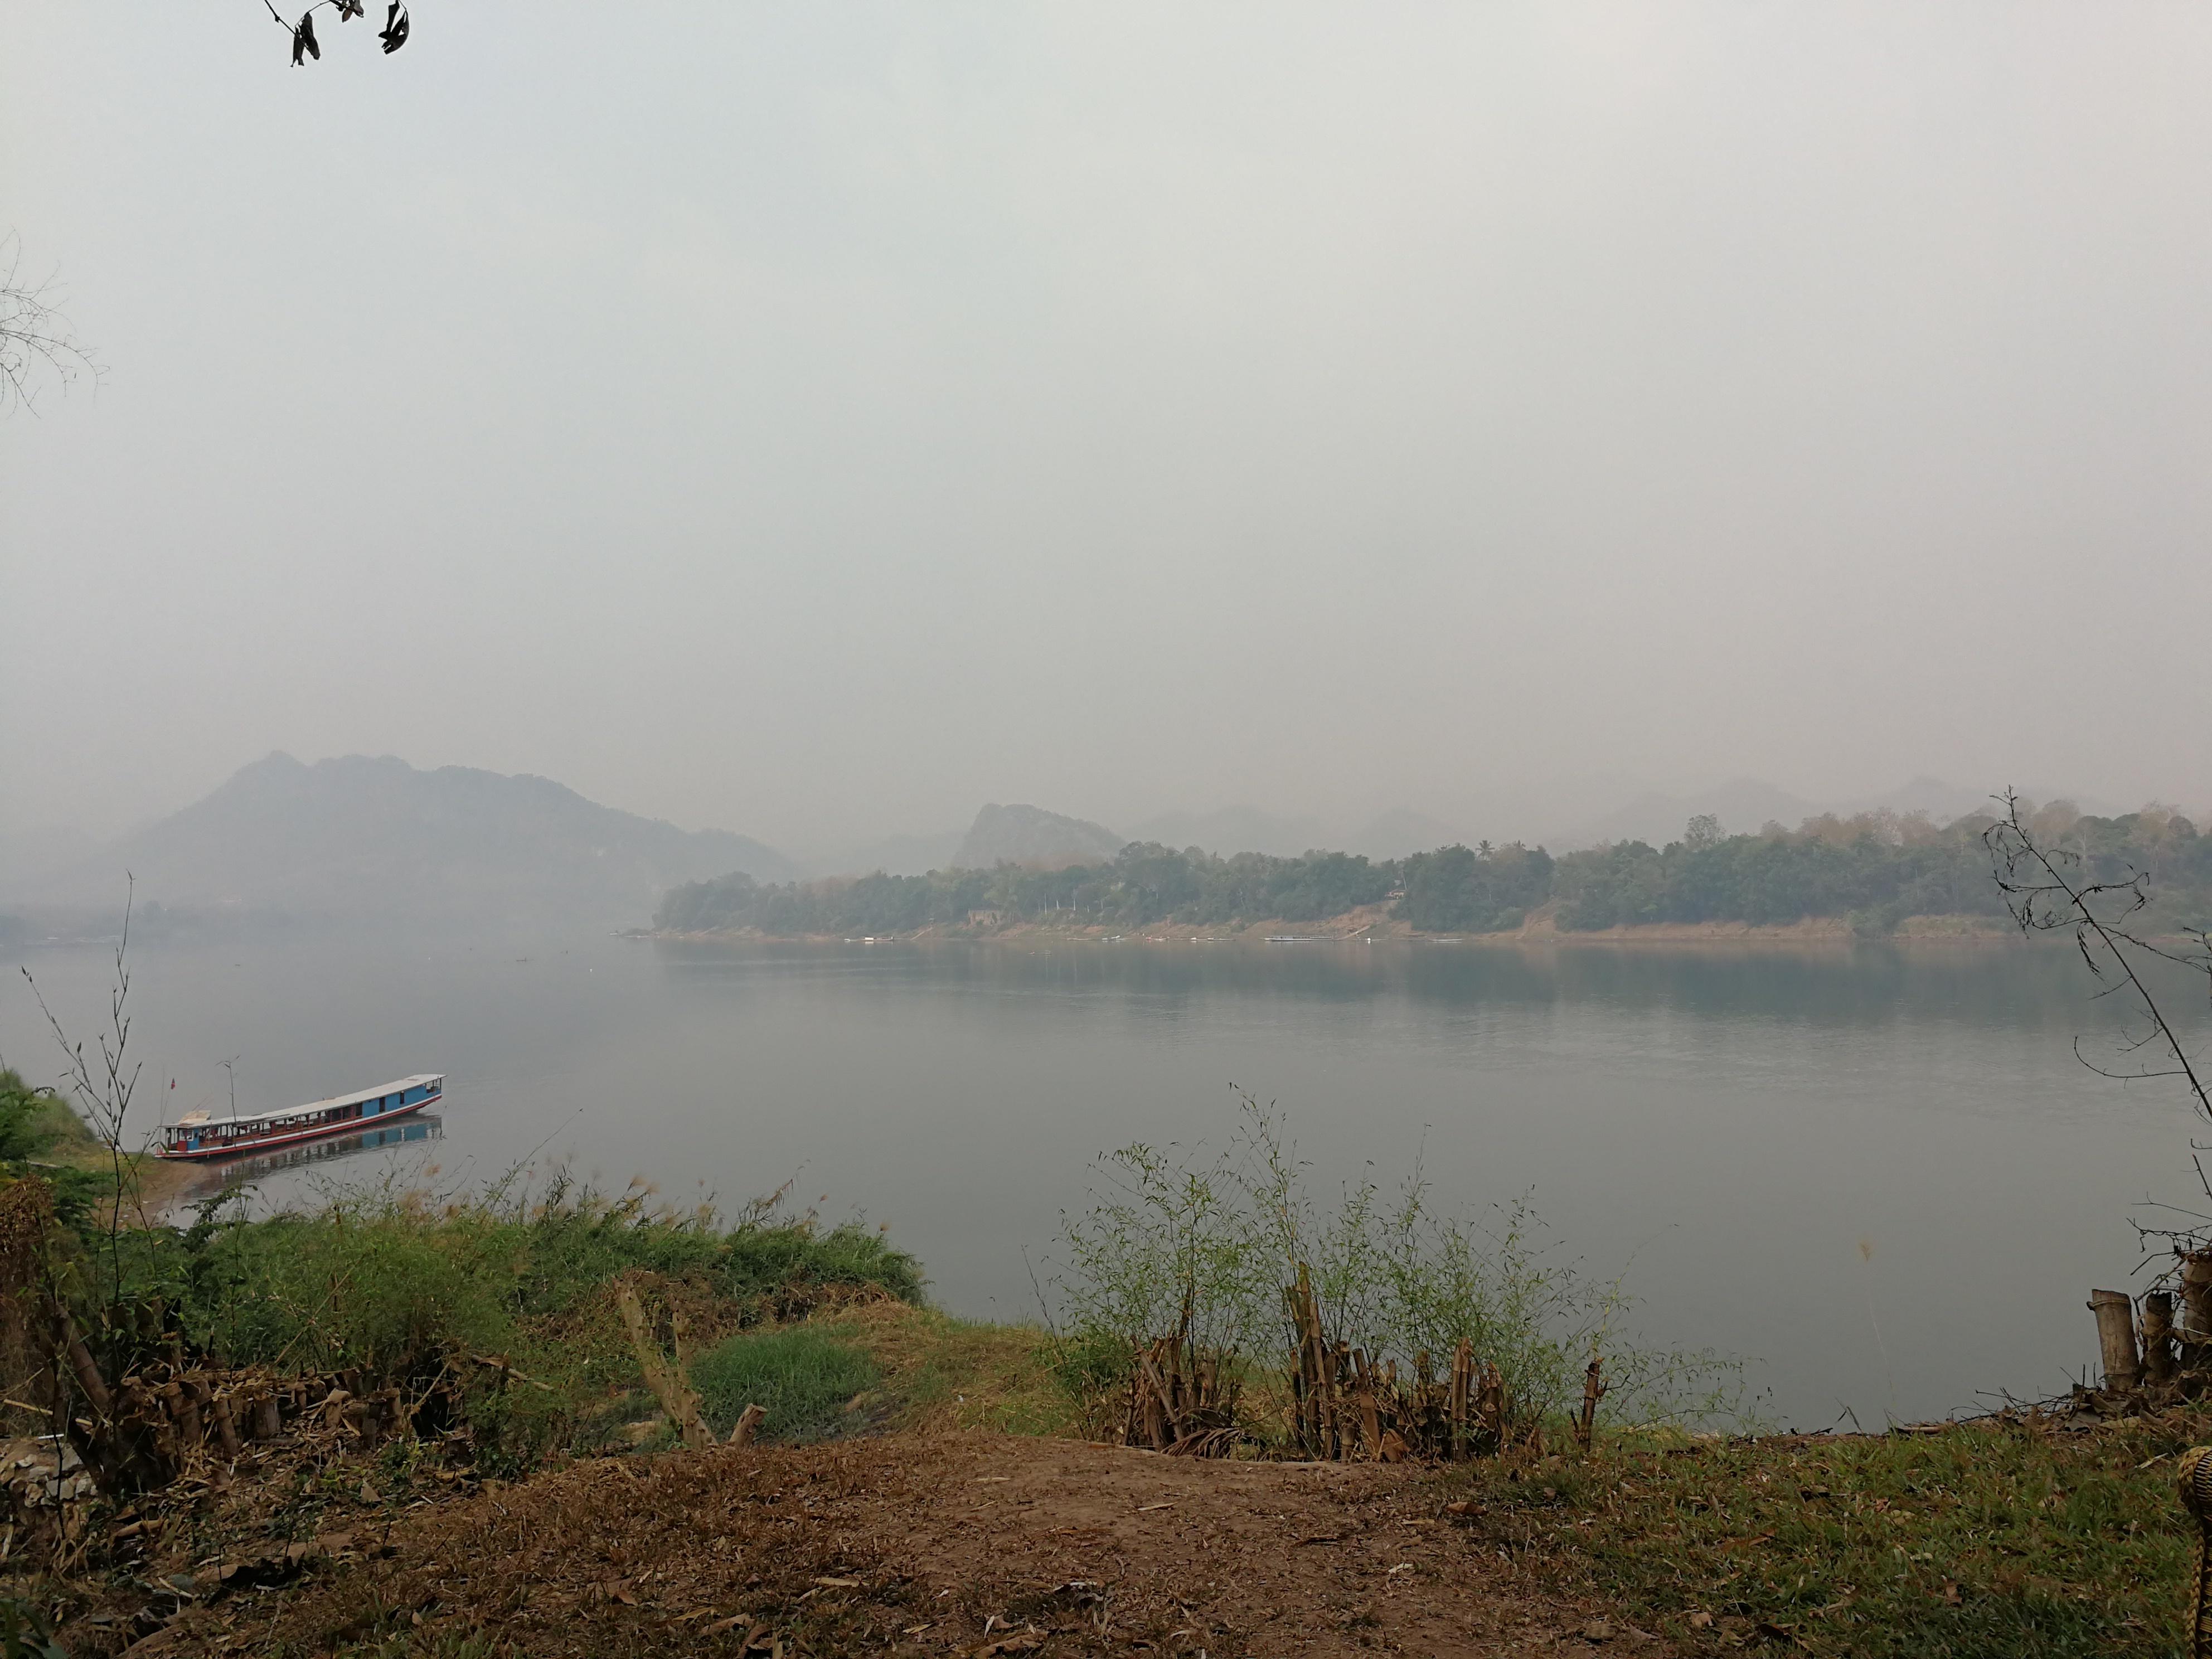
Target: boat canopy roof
[399,1086]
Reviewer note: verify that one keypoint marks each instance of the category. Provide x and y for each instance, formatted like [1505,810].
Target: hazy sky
[816,420]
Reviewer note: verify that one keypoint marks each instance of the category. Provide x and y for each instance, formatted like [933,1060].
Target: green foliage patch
[37,1131]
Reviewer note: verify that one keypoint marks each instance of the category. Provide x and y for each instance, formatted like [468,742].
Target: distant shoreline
[1375,926]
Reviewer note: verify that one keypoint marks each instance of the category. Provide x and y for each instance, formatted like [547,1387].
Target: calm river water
[1879,1175]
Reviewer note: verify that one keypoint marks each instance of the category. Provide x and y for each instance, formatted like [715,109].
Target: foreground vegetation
[1875,870]
[2034,1535]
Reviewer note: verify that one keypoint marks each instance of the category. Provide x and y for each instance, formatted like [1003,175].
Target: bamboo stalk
[1594,1389]
[1371,1418]
[1463,1382]
[1312,1417]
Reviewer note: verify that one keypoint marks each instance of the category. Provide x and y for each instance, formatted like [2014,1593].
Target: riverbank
[925,1535]
[408,1425]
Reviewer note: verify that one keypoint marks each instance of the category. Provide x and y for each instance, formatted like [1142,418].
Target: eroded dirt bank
[974,1543]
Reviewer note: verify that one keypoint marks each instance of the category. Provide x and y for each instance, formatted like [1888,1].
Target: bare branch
[2048,890]
[104,1096]
[36,341]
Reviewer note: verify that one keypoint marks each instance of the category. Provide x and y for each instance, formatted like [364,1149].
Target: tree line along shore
[1875,874]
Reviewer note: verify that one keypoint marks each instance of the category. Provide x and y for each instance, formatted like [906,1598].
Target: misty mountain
[1741,804]
[1746,804]
[894,855]
[359,837]
[1942,801]
[1401,831]
[1030,835]
[1234,829]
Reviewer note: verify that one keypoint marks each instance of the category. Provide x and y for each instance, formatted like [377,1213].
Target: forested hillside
[1873,870]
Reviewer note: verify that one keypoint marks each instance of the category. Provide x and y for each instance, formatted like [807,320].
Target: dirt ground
[976,1544]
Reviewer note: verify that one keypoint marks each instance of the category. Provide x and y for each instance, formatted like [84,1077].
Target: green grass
[804,1377]
[2017,1540]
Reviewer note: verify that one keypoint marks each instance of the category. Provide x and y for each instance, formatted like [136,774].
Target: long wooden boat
[198,1134]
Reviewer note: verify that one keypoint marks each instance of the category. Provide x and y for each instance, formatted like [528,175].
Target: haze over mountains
[1030,835]
[1747,804]
[357,837]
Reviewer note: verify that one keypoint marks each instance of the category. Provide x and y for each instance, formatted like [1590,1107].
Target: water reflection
[1842,983]
[218,1176]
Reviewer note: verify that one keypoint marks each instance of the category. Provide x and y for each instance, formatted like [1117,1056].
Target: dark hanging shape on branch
[395,28]
[348,9]
[303,39]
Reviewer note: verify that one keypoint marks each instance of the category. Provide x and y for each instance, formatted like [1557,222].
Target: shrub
[406,1286]
[1206,1246]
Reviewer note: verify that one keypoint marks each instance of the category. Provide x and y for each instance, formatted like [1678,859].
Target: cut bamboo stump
[2196,1297]
[1463,1392]
[2195,1329]
[2116,1338]
[1182,1400]
[226,1430]
[1351,1403]
[2158,1358]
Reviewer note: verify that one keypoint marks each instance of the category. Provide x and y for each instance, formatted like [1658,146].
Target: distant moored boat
[197,1134]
